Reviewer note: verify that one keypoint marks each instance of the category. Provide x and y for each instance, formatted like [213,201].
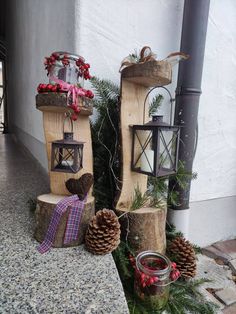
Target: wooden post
[54,106]
[143,228]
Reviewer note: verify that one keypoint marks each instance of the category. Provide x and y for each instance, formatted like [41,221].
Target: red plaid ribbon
[72,227]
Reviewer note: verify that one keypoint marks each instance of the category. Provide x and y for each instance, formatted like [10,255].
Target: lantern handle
[171,102]
[71,123]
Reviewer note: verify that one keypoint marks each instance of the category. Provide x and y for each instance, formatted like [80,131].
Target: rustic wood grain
[53,130]
[144,229]
[149,74]
[57,102]
[132,100]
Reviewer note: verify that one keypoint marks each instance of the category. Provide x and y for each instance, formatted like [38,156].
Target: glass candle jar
[67,67]
[152,280]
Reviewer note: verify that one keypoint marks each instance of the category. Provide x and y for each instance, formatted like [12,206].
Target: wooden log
[149,74]
[45,206]
[57,102]
[144,229]
[132,106]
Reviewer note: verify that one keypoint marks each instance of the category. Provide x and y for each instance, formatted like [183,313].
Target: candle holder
[67,154]
[153,276]
[155,146]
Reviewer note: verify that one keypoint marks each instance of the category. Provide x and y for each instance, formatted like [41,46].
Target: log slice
[149,74]
[144,228]
[44,209]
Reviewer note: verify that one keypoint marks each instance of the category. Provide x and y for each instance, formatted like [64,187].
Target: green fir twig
[139,200]
[155,104]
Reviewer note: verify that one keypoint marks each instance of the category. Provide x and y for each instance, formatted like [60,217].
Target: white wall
[215,160]
[111,30]
[35,29]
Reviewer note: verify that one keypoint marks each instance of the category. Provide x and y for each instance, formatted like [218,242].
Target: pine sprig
[155,104]
[139,199]
[104,90]
[185,297]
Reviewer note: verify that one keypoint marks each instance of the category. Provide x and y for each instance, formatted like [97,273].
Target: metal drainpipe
[194,29]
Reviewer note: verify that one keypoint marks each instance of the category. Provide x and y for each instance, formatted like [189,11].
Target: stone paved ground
[219,265]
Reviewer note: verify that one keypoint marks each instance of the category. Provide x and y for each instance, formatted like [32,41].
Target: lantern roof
[157,121]
[68,142]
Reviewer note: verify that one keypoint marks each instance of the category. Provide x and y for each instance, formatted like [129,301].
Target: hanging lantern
[67,154]
[155,147]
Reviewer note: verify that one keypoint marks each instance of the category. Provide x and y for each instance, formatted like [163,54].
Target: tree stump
[45,206]
[144,229]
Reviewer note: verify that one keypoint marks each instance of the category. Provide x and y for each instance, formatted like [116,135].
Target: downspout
[188,91]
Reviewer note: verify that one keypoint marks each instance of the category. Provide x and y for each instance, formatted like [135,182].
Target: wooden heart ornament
[80,186]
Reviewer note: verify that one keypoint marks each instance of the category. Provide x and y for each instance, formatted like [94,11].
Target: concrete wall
[104,32]
[34,30]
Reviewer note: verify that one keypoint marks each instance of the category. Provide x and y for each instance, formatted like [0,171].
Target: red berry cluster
[175,273]
[147,281]
[76,110]
[83,68]
[65,60]
[48,88]
[50,61]
[89,94]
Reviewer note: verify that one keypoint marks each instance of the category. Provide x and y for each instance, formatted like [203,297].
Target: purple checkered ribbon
[72,228]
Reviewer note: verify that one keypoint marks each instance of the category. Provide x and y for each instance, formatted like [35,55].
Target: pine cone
[184,255]
[103,234]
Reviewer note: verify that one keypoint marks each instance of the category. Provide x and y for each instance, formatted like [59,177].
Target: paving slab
[230,309]
[227,295]
[232,265]
[220,276]
[211,298]
[227,247]
[215,253]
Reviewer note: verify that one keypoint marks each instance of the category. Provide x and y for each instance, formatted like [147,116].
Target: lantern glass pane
[168,146]
[67,158]
[143,151]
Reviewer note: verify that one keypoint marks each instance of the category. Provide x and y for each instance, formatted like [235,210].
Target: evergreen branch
[197,249]
[155,104]
[139,200]
[104,90]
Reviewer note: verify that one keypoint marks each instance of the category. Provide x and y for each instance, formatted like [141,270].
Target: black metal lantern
[67,154]
[155,147]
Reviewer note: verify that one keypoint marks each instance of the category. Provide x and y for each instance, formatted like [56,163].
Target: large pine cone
[103,234]
[183,253]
